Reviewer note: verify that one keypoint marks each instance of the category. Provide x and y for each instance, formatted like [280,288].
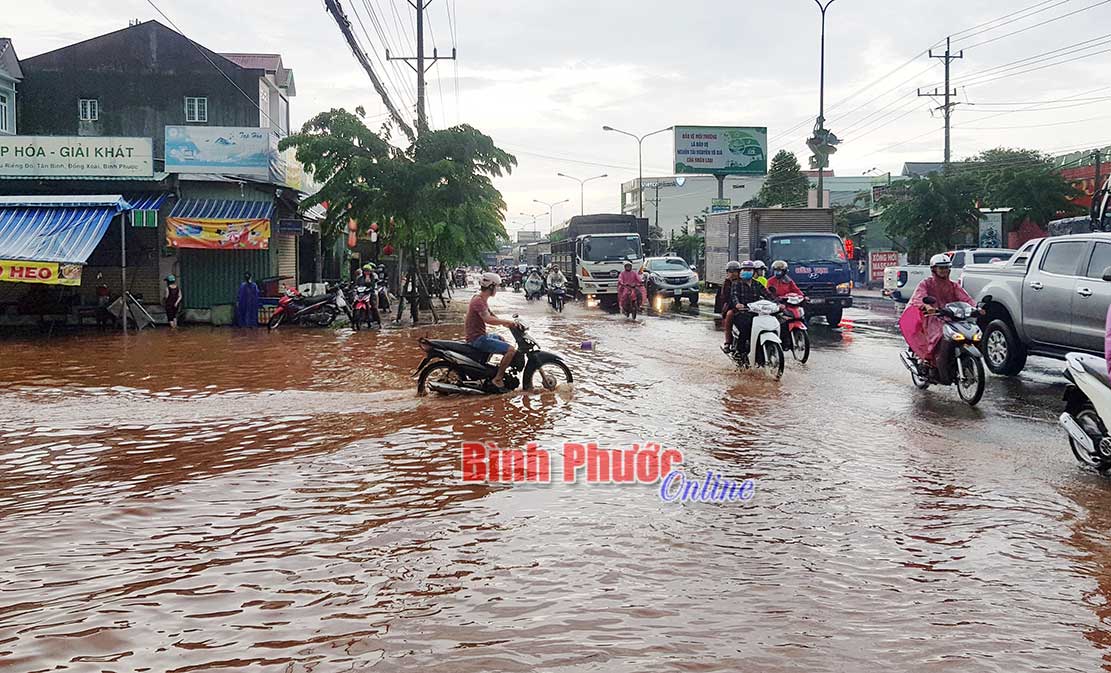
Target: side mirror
[1107,274]
[694,268]
[929,301]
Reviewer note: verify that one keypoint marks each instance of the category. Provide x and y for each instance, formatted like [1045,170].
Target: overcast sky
[543,76]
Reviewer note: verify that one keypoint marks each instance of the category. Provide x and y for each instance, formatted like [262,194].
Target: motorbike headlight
[976,337]
[957,336]
[844,288]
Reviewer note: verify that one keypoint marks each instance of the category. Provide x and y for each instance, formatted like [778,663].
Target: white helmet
[489,279]
[941,259]
[759,264]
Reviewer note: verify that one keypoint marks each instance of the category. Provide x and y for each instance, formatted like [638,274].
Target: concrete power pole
[421,68]
[948,57]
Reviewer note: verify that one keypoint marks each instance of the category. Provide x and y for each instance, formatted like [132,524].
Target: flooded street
[218,500]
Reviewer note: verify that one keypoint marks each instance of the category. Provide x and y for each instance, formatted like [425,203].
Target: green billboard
[721,150]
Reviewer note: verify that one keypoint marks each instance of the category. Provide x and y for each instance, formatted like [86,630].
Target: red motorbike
[365,311]
[320,311]
[630,299]
[795,335]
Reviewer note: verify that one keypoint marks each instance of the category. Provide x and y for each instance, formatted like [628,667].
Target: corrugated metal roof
[146,200]
[218,209]
[96,200]
[316,213]
[158,177]
[55,231]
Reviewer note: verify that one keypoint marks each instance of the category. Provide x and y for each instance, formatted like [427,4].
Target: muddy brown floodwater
[221,500]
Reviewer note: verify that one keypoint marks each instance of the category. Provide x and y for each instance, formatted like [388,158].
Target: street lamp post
[551,211]
[582,188]
[822,99]
[640,160]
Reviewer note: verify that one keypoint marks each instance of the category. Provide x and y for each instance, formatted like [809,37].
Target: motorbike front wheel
[325,316]
[275,320]
[773,358]
[971,386]
[800,345]
[552,376]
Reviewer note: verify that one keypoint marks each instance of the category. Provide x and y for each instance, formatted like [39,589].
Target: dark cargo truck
[803,237]
[592,250]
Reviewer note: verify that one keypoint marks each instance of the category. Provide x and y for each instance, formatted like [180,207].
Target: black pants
[743,321]
[943,357]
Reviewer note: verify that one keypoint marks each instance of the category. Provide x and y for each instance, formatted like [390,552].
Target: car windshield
[668,265]
[808,249]
[985,257]
[616,248]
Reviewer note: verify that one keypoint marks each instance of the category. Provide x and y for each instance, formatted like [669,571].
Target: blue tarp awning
[146,200]
[217,209]
[62,229]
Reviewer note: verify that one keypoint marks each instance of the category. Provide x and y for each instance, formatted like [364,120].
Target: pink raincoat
[923,332]
[630,278]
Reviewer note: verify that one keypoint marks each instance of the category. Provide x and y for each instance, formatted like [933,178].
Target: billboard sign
[226,150]
[721,205]
[878,260]
[721,150]
[47,273]
[217,234]
[991,230]
[76,157]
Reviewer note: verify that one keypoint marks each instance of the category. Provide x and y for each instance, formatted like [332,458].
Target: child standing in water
[173,300]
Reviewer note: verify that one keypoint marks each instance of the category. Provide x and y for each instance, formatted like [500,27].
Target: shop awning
[62,229]
[219,224]
[146,200]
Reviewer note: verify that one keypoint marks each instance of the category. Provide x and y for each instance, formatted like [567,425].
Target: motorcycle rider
[629,281]
[937,349]
[555,278]
[781,284]
[478,317]
[732,275]
[536,279]
[742,293]
[761,271]
[368,278]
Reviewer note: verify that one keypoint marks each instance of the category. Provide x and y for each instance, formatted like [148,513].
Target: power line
[452,19]
[382,28]
[385,70]
[1058,3]
[1037,25]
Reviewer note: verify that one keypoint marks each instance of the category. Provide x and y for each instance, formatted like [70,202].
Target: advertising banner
[878,260]
[721,205]
[991,230]
[225,150]
[184,232]
[76,157]
[46,273]
[717,150]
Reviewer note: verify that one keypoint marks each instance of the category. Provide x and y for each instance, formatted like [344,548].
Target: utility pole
[948,57]
[420,68]
[344,24]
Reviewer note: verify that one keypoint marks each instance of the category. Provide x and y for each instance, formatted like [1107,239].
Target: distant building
[679,204]
[528,236]
[10,76]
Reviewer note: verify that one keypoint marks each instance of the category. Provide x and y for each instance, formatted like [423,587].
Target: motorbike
[630,299]
[383,295]
[534,288]
[557,296]
[765,348]
[452,367]
[459,278]
[795,333]
[1087,403]
[966,362]
[320,311]
[516,279]
[364,312]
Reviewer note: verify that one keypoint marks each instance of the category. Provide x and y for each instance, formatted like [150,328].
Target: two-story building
[10,76]
[213,201]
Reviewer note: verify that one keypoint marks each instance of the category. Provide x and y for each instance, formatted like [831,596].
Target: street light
[551,210]
[582,188]
[822,101]
[640,160]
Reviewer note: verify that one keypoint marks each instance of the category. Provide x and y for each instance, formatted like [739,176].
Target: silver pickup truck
[1049,299]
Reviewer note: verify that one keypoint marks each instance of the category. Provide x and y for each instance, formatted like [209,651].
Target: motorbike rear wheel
[438,372]
[971,386]
[800,345]
[360,317]
[325,316]
[275,321]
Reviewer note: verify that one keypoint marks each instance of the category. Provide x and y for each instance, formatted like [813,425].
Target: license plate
[678,292]
[817,301]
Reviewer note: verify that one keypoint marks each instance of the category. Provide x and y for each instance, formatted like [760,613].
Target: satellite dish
[679,181]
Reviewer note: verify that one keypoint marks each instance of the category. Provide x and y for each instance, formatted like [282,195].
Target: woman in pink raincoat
[920,324]
[628,282]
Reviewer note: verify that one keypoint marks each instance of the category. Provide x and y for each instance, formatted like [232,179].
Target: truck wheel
[833,318]
[1005,354]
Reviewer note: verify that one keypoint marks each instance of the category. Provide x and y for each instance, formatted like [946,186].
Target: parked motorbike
[794,332]
[966,362]
[534,288]
[765,348]
[364,311]
[383,295]
[451,367]
[319,311]
[557,296]
[1087,403]
[630,299]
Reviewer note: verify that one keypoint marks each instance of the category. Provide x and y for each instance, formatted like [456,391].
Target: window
[669,264]
[88,109]
[958,260]
[986,257]
[144,219]
[615,248]
[196,109]
[810,249]
[5,125]
[1101,259]
[1061,257]
[1022,257]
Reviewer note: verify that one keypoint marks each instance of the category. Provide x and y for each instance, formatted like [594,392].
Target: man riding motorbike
[555,278]
[628,282]
[368,278]
[781,284]
[927,340]
[742,293]
[732,275]
[478,317]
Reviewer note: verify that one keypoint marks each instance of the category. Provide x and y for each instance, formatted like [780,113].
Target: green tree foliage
[1024,180]
[439,192]
[690,247]
[932,214]
[785,185]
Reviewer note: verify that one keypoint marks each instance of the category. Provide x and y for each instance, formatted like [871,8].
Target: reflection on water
[221,500]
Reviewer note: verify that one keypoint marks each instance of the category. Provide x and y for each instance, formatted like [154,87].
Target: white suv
[670,277]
